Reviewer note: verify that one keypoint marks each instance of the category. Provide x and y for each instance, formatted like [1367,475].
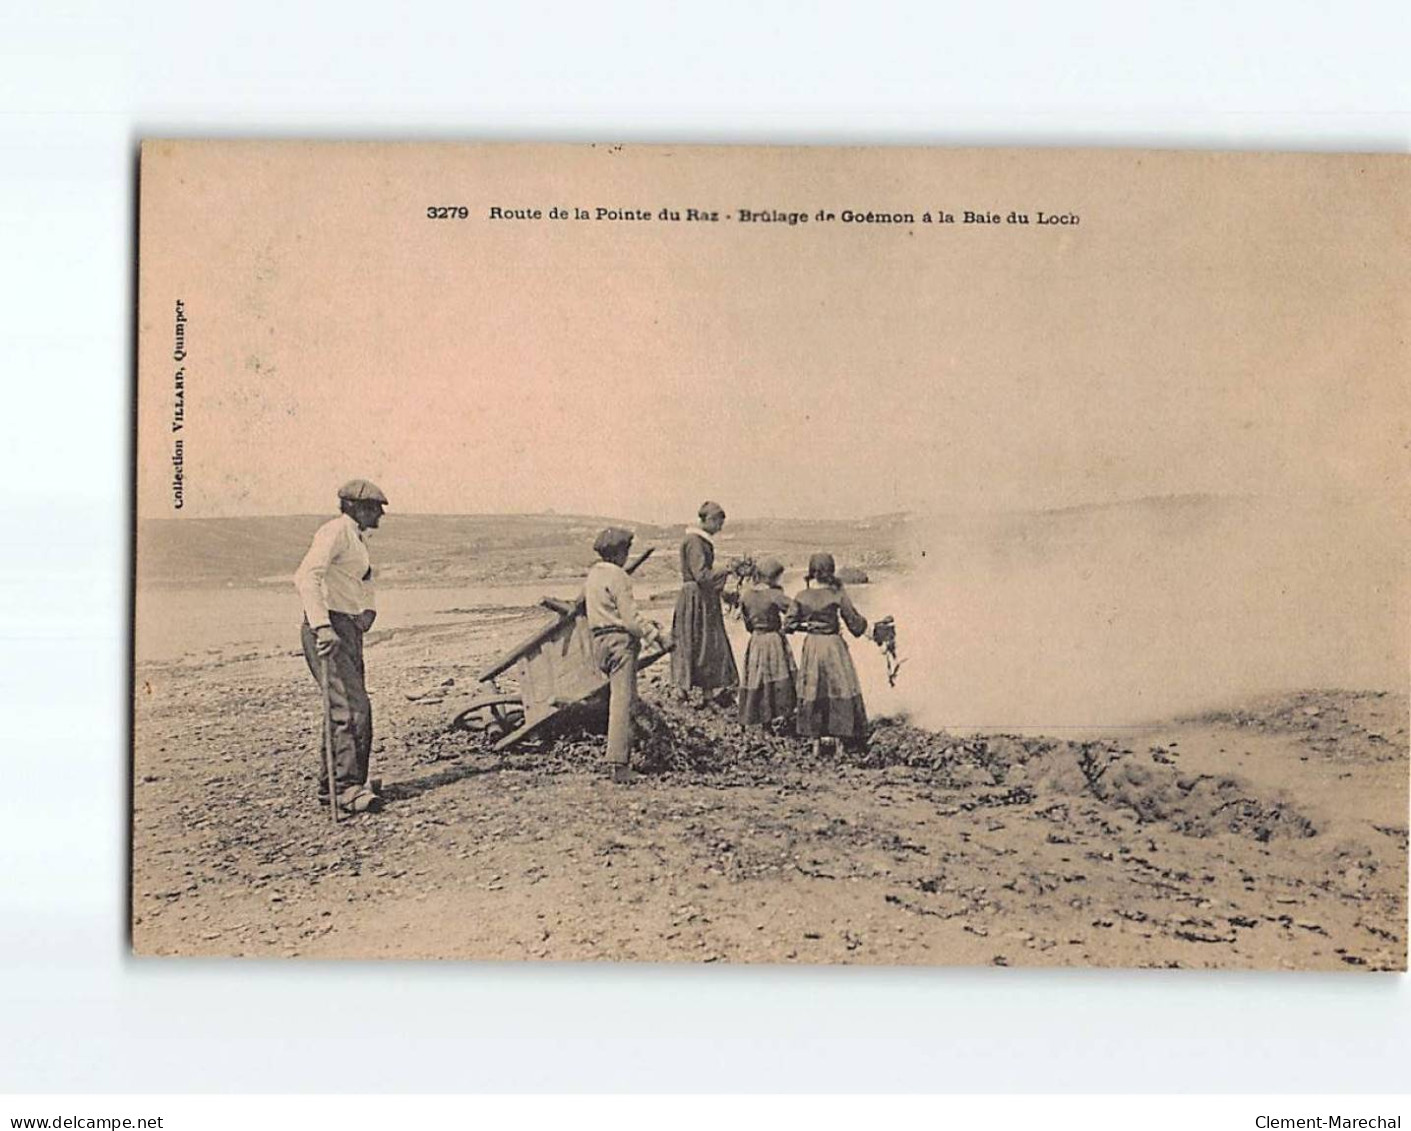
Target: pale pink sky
[1215,323]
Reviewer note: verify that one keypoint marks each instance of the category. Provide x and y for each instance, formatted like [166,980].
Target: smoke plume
[1100,617]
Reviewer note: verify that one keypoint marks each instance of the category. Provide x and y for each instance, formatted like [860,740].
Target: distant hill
[420,549]
[1010,538]
[424,549]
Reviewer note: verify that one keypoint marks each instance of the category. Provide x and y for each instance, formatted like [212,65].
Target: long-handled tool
[328,738]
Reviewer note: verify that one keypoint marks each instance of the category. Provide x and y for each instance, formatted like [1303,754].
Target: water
[196,622]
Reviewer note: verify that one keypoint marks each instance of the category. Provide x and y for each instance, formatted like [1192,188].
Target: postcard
[903,556]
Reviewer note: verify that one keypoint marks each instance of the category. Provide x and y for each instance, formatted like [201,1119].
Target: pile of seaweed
[684,743]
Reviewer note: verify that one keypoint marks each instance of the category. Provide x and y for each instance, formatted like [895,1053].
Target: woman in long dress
[830,697]
[702,660]
[767,693]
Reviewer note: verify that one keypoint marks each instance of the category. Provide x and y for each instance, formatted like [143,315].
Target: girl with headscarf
[767,692]
[702,658]
[830,697]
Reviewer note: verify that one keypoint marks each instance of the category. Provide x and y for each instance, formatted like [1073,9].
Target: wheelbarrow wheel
[494,717]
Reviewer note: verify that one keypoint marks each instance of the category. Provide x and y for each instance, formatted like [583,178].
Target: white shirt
[336,573]
[607,593]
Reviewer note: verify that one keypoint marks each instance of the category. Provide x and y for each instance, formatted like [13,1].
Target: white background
[81,83]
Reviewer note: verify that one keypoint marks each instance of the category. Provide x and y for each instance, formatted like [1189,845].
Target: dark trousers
[347,695]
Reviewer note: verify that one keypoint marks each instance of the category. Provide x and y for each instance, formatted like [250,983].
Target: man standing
[335,586]
[619,632]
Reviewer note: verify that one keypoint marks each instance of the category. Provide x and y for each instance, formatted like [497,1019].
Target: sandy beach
[1268,833]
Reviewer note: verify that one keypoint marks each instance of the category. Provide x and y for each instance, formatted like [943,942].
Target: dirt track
[1273,837]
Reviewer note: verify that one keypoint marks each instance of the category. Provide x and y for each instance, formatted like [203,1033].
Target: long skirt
[830,698]
[701,656]
[767,692]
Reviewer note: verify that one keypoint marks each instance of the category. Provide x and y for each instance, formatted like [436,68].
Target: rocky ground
[1271,837]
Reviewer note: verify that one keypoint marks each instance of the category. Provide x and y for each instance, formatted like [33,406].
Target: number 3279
[447,212]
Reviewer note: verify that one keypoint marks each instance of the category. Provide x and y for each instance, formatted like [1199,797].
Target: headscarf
[821,568]
[769,569]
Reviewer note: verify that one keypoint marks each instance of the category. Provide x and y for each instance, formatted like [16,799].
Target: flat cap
[362,491]
[611,538]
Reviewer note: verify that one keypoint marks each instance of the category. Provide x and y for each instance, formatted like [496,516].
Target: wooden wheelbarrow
[554,669]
